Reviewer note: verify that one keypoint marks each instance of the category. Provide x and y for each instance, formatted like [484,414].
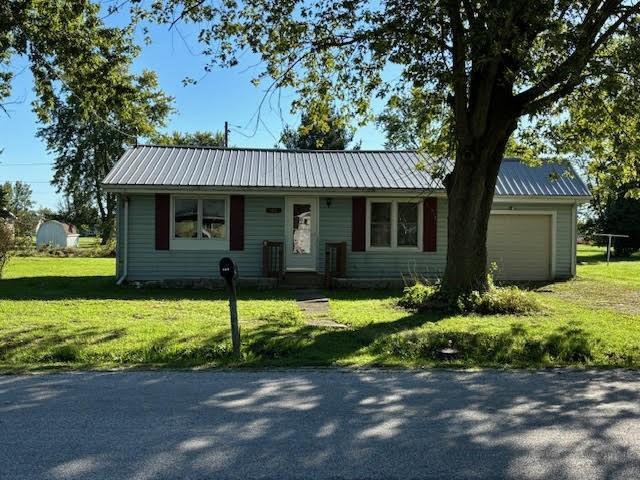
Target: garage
[521,245]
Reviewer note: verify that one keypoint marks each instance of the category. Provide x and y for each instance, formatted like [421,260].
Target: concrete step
[302,280]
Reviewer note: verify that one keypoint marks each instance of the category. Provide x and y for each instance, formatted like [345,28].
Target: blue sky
[219,96]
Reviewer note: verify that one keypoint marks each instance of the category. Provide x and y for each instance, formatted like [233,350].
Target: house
[365,216]
[53,233]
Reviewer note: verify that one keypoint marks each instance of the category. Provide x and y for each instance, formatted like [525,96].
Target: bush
[97,251]
[418,296]
[6,244]
[498,300]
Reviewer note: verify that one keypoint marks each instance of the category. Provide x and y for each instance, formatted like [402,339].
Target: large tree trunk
[470,188]
[107,223]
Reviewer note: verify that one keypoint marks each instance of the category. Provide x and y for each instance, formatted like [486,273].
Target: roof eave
[133,188]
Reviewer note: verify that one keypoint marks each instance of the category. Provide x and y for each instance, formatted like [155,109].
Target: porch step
[302,280]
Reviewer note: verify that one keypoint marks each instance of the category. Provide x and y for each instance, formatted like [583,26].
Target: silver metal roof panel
[169,166]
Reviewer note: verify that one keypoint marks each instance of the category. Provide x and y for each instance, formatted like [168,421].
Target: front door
[301,227]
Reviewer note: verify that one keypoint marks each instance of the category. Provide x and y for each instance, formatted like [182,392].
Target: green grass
[89,242]
[67,313]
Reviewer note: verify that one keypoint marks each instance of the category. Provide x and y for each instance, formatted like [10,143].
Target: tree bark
[107,223]
[470,189]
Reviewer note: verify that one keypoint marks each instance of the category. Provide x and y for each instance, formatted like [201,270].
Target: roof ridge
[259,149]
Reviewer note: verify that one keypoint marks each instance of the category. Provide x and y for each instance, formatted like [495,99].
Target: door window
[302,223]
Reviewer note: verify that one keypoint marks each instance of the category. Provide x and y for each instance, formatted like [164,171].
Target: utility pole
[226,134]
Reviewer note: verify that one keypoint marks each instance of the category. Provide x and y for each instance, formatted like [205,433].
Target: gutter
[126,241]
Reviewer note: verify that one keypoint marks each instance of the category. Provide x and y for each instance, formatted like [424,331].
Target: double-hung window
[394,223]
[199,223]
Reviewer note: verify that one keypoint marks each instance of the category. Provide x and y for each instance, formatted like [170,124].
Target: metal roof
[235,168]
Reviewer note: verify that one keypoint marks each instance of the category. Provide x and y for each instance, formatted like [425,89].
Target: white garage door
[521,246]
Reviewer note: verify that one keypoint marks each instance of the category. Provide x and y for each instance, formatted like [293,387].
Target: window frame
[199,243]
[394,224]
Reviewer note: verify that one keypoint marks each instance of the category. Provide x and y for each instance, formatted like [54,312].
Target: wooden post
[229,271]
[235,326]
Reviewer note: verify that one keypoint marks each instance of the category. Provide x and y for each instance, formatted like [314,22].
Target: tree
[20,197]
[84,92]
[601,130]
[5,195]
[56,39]
[334,134]
[90,125]
[488,63]
[79,209]
[21,204]
[616,217]
[197,138]
[417,120]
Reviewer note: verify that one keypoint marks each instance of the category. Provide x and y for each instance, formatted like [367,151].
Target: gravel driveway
[325,424]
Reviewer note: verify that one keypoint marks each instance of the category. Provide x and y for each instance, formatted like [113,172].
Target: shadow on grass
[104,288]
[402,340]
[316,346]
[593,256]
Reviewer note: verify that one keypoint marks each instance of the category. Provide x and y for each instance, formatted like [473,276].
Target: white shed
[57,234]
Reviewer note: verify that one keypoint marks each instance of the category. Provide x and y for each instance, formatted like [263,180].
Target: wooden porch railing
[335,262]
[273,259]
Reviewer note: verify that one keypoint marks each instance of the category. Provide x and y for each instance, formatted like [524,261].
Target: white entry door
[301,227]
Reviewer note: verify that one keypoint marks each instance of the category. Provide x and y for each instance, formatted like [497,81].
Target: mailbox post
[229,271]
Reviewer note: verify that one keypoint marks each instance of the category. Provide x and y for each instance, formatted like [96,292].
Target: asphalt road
[329,424]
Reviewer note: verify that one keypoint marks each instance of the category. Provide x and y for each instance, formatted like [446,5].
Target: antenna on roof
[226,134]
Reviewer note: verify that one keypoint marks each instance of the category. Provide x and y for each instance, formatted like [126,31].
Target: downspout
[126,241]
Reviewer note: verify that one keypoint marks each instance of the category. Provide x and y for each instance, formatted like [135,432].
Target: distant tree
[7,244]
[333,134]
[617,216]
[5,195]
[21,205]
[196,139]
[20,197]
[77,209]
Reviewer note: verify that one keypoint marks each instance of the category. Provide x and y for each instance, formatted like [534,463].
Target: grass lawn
[67,313]
[88,242]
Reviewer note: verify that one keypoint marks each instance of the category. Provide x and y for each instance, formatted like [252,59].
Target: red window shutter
[358,224]
[429,224]
[236,222]
[162,221]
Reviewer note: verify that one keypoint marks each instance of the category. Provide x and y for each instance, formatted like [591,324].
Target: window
[407,224]
[381,224]
[301,228]
[186,218]
[394,224]
[199,223]
[213,221]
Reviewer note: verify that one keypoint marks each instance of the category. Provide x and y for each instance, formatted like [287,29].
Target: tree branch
[186,11]
[460,94]
[575,63]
